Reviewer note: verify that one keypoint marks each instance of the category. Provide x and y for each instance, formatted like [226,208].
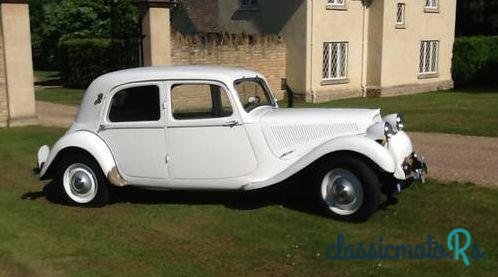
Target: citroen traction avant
[220,128]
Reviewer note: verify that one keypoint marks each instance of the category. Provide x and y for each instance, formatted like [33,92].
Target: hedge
[83,60]
[475,61]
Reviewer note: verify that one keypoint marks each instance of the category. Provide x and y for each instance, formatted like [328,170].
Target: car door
[206,137]
[134,128]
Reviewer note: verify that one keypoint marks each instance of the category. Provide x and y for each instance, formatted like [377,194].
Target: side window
[199,101]
[135,104]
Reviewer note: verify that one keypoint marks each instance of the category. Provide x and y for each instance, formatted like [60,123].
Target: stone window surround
[403,24]
[429,9]
[338,80]
[338,7]
[431,73]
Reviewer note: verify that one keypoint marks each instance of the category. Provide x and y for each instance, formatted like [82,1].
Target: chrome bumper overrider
[415,169]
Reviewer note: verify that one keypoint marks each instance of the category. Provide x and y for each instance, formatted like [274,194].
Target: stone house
[326,49]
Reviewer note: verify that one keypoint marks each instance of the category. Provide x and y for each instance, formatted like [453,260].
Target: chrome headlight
[396,120]
[388,130]
[400,122]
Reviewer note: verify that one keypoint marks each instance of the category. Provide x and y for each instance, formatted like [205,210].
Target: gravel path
[459,158]
[55,115]
[449,157]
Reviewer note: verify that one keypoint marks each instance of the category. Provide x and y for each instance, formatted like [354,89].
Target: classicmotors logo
[458,247]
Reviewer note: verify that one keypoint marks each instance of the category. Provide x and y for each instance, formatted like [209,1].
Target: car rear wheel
[347,189]
[81,182]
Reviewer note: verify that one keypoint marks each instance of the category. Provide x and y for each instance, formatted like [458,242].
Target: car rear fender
[82,141]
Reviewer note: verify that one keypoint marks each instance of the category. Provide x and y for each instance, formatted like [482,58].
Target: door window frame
[200,122]
[161,123]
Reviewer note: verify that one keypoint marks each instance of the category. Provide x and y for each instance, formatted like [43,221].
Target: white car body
[245,151]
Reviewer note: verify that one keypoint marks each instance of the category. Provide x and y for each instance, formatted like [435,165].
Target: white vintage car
[220,128]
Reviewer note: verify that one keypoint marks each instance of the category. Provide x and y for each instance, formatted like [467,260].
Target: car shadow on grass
[287,194]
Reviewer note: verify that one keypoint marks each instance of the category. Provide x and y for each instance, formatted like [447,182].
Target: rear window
[135,104]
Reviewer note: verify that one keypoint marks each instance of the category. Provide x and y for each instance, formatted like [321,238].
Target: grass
[43,76]
[49,88]
[201,233]
[60,95]
[466,112]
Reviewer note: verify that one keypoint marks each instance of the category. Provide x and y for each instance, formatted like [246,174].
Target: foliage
[477,17]
[475,60]
[53,21]
[83,60]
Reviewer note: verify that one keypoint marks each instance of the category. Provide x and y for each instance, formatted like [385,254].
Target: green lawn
[43,76]
[60,95]
[49,88]
[171,233]
[456,112]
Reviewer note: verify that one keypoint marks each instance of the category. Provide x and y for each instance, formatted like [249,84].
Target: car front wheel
[347,189]
[81,182]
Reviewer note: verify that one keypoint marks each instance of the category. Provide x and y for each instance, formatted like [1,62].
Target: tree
[54,20]
[477,17]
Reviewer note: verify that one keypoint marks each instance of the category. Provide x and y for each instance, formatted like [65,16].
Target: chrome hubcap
[80,183]
[342,191]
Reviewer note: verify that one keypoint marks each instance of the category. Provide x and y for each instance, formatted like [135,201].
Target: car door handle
[231,123]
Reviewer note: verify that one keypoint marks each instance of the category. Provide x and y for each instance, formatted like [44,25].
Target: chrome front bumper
[415,168]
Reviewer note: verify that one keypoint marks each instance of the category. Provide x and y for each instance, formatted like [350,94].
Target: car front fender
[82,140]
[357,144]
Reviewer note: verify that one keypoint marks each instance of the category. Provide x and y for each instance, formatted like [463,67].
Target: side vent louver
[282,138]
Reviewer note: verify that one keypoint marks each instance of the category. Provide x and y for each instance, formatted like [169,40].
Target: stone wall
[4,106]
[265,54]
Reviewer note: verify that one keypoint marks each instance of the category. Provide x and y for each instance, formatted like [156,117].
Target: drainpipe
[313,95]
[364,53]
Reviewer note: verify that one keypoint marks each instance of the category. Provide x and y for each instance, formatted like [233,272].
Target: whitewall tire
[80,181]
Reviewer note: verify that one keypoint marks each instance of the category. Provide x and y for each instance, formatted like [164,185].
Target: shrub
[475,61]
[85,59]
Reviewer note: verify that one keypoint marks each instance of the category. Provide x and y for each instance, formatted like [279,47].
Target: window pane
[336,2]
[135,104]
[431,3]
[434,56]
[248,3]
[429,51]
[335,60]
[333,53]
[427,56]
[326,60]
[199,101]
[422,56]
[252,94]
[400,16]
[342,61]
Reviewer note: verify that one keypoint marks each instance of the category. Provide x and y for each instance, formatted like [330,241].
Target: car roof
[203,72]
[90,111]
